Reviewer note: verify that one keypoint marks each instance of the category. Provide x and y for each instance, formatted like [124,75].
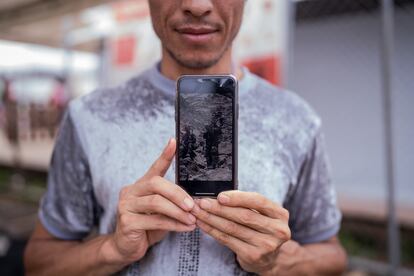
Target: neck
[172,69]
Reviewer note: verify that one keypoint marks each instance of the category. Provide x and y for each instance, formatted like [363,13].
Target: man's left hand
[248,223]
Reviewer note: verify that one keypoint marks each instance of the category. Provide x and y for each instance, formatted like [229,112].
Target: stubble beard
[194,63]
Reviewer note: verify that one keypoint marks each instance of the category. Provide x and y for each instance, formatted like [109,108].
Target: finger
[161,186]
[161,205]
[229,227]
[254,201]
[236,245]
[241,216]
[161,165]
[161,222]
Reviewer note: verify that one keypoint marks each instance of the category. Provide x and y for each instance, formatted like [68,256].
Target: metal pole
[387,10]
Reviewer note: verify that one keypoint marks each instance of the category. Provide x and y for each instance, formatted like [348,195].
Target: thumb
[155,236]
[161,165]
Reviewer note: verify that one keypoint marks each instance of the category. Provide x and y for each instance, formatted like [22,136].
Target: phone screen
[206,134]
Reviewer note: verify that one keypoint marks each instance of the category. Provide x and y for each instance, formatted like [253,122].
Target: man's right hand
[147,210]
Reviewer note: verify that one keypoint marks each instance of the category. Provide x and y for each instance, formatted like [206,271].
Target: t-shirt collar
[168,86]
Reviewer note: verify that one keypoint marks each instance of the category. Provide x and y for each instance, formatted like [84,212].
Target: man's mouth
[197,34]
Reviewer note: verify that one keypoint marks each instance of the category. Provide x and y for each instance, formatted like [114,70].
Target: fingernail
[205,204]
[188,202]
[222,198]
[191,218]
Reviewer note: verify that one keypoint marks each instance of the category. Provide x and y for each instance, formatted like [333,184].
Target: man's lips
[196,30]
[199,34]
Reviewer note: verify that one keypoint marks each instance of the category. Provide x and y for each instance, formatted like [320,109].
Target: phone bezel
[208,188]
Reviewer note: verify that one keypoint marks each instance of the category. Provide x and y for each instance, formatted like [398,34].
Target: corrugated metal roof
[314,9]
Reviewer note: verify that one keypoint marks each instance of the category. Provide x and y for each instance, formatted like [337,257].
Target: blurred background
[353,60]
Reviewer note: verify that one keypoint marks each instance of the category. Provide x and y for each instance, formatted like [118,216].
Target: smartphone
[206,133]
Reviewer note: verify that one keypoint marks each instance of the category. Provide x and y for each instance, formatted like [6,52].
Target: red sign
[267,67]
[124,50]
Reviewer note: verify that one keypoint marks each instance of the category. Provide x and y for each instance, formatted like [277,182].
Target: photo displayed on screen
[206,129]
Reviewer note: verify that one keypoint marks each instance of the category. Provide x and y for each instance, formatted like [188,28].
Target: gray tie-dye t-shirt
[109,138]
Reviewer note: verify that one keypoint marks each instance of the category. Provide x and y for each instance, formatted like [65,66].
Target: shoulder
[286,111]
[131,99]
[111,97]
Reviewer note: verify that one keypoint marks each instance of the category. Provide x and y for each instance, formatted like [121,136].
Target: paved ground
[17,220]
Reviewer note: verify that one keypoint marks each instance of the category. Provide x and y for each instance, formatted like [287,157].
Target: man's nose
[197,8]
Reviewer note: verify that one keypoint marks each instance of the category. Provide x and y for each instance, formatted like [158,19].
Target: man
[189,143]
[110,138]
[212,138]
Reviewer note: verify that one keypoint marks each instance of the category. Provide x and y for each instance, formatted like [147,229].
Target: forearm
[55,257]
[326,258]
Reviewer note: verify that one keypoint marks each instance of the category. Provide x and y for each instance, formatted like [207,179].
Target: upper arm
[68,210]
[314,214]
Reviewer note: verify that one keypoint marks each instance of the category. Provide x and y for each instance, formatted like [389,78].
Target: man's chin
[195,62]
[198,64]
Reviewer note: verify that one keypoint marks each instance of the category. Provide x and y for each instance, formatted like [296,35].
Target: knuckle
[284,232]
[153,202]
[230,228]
[123,220]
[285,214]
[160,223]
[222,237]
[288,234]
[254,256]
[121,207]
[208,229]
[215,206]
[261,201]
[123,192]
[270,245]
[154,180]
[259,197]
[204,215]
[270,225]
[173,225]
[177,193]
[254,197]
[246,217]
[177,225]
[269,208]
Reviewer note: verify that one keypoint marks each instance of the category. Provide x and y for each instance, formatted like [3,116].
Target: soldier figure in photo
[190,143]
[213,136]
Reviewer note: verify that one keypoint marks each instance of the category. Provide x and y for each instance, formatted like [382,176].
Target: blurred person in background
[283,220]
[2,103]
[10,107]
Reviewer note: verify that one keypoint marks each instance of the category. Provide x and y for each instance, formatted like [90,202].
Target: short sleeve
[314,214]
[68,208]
